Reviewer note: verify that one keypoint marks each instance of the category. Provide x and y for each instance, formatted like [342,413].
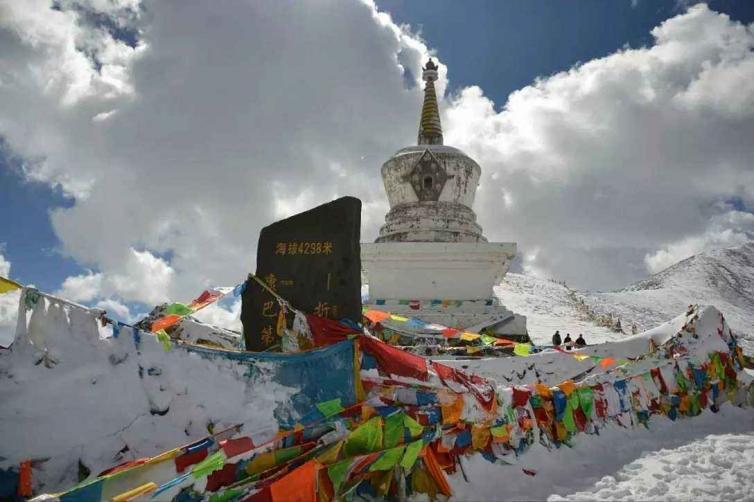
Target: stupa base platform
[469,315]
[429,270]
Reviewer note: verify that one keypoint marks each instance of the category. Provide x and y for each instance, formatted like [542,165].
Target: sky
[143,144]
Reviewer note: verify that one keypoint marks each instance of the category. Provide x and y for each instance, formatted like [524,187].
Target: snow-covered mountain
[722,277]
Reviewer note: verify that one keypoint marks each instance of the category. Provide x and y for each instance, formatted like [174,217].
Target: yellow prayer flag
[522,349]
[469,336]
[398,318]
[6,285]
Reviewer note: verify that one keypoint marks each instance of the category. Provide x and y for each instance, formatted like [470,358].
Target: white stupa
[431,259]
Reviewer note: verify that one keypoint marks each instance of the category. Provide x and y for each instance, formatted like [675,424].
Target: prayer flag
[7,285]
[393,429]
[522,349]
[330,408]
[300,485]
[178,309]
[376,315]
[366,438]
[607,362]
[488,340]
[338,472]
[411,454]
[136,492]
[388,459]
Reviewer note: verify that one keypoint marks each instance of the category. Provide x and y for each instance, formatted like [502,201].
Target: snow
[550,306]
[75,394]
[71,393]
[721,277]
[702,458]
[552,367]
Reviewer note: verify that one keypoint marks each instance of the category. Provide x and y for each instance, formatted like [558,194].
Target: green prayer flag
[393,430]
[573,399]
[488,340]
[366,438]
[209,465]
[225,496]
[568,421]
[330,408]
[680,380]
[337,473]
[164,339]
[586,401]
[411,454]
[388,459]
[522,349]
[412,425]
[499,431]
[718,365]
[284,455]
[178,309]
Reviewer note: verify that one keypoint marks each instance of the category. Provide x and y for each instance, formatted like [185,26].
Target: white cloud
[178,151]
[4,266]
[226,317]
[115,308]
[621,156]
[81,288]
[729,229]
[139,277]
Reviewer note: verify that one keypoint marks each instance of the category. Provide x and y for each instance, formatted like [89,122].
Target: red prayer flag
[233,447]
[395,361]
[187,459]
[327,331]
[450,333]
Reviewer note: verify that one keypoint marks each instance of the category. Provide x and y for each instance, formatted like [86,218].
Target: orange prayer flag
[607,362]
[24,479]
[543,390]
[165,322]
[567,387]
[300,485]
[451,413]
[376,315]
[433,466]
[503,341]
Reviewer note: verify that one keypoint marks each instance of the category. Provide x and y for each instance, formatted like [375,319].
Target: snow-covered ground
[88,391]
[709,457]
[548,307]
[723,278]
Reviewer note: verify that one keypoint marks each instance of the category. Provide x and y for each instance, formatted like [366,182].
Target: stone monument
[431,259]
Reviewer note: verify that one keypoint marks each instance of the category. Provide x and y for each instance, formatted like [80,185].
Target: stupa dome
[430,186]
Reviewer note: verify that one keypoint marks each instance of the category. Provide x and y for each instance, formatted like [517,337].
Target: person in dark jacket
[580,342]
[568,342]
[556,340]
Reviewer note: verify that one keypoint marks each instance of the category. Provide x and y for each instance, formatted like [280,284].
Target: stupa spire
[430,129]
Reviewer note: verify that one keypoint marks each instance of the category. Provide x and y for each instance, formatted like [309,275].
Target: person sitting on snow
[580,342]
[556,341]
[568,342]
